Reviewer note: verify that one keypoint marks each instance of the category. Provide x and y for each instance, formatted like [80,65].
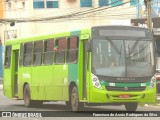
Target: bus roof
[46,36]
[63,34]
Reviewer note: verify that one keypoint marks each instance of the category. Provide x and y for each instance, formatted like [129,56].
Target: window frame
[48,51]
[58,51]
[27,54]
[115,3]
[104,3]
[37,53]
[45,4]
[7,63]
[35,2]
[83,3]
[72,50]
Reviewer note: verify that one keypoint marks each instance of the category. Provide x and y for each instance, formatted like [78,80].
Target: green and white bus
[94,66]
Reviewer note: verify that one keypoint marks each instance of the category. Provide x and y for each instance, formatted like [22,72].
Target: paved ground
[1,86]
[0,81]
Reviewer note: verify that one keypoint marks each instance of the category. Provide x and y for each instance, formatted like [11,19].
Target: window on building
[133,2]
[116,3]
[27,60]
[104,2]
[21,56]
[38,3]
[7,57]
[48,52]
[52,3]
[72,53]
[60,49]
[45,4]
[38,52]
[86,3]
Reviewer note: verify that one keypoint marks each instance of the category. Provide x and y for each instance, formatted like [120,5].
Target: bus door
[15,73]
[84,95]
[83,81]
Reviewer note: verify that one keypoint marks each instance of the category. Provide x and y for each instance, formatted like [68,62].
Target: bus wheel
[27,97]
[131,106]
[74,100]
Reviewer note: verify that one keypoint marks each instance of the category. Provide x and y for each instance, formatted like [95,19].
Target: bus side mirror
[90,45]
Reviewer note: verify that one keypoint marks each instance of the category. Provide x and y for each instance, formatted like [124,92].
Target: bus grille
[111,88]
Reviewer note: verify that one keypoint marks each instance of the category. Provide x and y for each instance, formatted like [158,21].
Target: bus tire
[27,97]
[74,100]
[131,106]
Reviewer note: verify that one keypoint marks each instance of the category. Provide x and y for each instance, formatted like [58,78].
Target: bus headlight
[153,82]
[96,82]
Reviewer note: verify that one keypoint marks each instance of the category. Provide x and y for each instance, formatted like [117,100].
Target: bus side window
[60,49]
[27,60]
[72,53]
[38,51]
[48,52]
[7,56]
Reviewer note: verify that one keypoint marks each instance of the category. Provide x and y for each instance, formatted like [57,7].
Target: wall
[65,7]
[1,8]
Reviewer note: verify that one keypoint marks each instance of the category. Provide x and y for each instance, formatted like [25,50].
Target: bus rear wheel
[131,106]
[74,100]
[27,97]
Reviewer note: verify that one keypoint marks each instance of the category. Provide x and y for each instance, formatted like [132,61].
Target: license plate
[124,96]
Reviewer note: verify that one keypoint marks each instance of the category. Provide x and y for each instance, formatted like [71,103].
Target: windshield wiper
[133,47]
[113,45]
[140,50]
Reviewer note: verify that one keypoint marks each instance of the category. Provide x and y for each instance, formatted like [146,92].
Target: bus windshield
[122,58]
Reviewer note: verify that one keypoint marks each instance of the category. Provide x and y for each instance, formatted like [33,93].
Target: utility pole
[149,13]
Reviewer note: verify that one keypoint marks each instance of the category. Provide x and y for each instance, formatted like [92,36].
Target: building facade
[71,14]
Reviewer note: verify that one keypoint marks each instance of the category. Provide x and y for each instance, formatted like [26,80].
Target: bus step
[15,98]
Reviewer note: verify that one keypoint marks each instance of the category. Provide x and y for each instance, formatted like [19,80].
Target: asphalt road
[59,109]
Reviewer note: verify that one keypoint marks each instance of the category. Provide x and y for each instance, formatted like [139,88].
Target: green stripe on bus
[73,72]
[124,84]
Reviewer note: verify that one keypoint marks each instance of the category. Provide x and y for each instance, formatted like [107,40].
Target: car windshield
[122,58]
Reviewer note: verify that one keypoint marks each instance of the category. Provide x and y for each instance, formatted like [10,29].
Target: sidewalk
[1,86]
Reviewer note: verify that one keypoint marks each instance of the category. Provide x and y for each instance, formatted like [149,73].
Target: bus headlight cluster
[96,82]
[153,82]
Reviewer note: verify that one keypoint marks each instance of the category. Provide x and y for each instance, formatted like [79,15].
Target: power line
[69,15]
[76,14]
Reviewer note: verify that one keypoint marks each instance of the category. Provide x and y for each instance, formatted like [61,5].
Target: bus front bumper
[104,96]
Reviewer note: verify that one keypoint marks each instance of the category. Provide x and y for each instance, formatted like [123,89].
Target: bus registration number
[124,96]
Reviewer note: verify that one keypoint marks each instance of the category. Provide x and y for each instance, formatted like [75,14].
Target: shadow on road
[60,110]
[63,107]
